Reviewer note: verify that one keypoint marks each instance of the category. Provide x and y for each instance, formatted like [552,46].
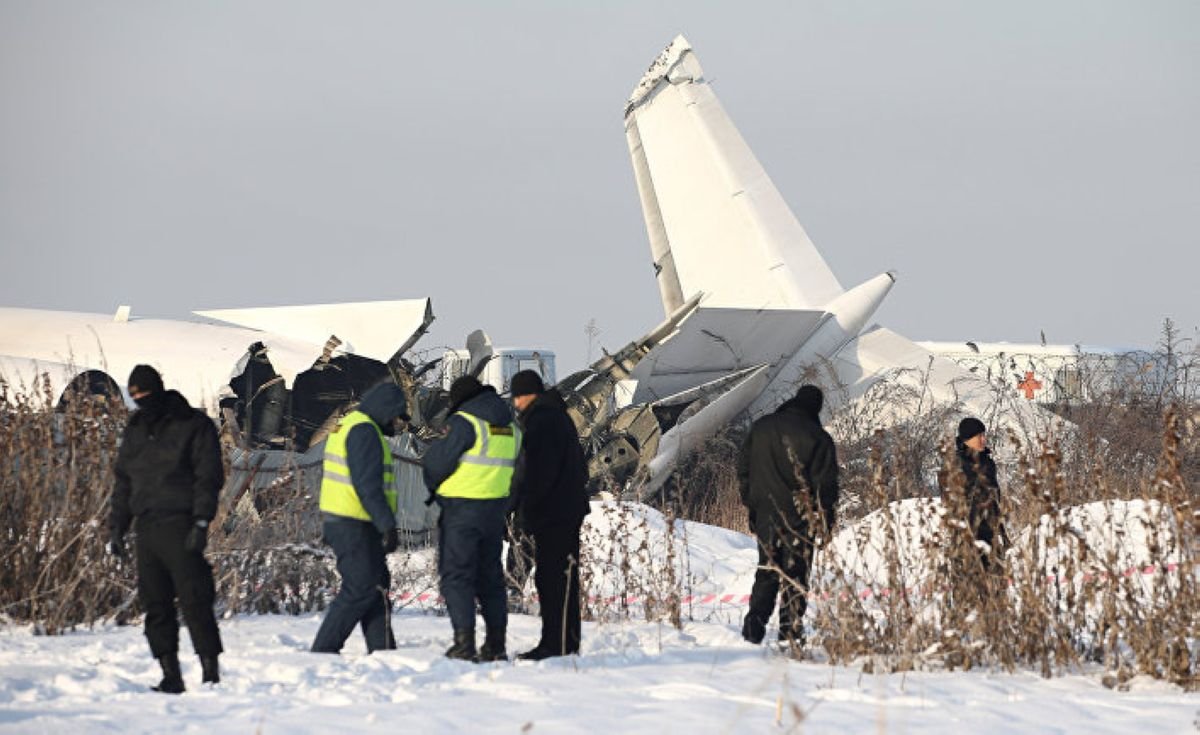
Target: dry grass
[1104,521]
[1064,598]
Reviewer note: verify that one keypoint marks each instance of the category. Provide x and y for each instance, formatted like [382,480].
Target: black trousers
[791,554]
[166,571]
[363,597]
[556,554]
[470,538]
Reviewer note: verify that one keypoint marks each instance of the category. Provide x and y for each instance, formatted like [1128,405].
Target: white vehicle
[504,363]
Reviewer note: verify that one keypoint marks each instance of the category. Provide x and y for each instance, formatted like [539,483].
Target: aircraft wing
[376,329]
[716,222]
[195,359]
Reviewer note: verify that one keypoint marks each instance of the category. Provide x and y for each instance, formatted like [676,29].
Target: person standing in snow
[788,478]
[981,487]
[469,473]
[168,474]
[551,491]
[358,502]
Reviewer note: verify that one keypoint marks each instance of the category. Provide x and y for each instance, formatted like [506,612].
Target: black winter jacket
[169,462]
[982,490]
[787,468]
[441,459]
[552,474]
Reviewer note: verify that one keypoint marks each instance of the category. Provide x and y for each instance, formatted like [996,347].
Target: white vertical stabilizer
[716,222]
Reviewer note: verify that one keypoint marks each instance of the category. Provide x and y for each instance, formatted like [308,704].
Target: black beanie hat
[970,427]
[810,398]
[462,390]
[146,379]
[525,383]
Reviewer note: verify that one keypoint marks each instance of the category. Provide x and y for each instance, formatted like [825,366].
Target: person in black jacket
[788,478]
[469,473]
[981,487]
[358,507]
[168,474]
[551,492]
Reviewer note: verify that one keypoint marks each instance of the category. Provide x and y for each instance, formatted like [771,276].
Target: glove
[115,547]
[391,540]
[197,538]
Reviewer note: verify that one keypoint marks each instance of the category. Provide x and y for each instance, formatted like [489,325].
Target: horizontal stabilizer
[729,397]
[714,342]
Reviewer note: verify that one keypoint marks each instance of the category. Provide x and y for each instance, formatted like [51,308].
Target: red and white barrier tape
[866,593]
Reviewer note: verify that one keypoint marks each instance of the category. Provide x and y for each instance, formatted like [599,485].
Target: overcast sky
[1025,166]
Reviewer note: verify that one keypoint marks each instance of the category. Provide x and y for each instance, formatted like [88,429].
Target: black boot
[493,646]
[464,646]
[537,653]
[754,628]
[172,681]
[212,671]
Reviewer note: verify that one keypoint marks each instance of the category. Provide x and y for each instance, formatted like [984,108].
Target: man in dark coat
[980,486]
[551,491]
[168,475]
[469,473]
[788,477]
[358,505]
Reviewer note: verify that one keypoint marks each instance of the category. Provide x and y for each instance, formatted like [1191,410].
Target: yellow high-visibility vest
[485,470]
[337,491]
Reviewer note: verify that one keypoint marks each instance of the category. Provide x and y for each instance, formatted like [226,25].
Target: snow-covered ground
[631,677]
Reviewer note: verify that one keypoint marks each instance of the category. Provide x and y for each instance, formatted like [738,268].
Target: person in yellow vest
[358,505]
[469,472]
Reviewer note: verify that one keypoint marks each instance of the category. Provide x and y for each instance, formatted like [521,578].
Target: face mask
[146,401]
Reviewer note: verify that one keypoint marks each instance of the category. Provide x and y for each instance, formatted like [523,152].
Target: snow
[631,676]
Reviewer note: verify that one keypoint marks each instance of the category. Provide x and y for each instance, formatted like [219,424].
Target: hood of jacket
[489,406]
[383,403]
[798,406]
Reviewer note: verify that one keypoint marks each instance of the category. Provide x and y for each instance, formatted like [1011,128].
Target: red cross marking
[1029,385]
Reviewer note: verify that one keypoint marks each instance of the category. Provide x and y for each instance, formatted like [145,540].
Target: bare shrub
[55,483]
[55,477]
[1103,518]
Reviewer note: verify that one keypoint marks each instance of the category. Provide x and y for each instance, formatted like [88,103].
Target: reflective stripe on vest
[337,490]
[485,470]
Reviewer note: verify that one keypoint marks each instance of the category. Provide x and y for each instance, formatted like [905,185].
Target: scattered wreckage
[752,310]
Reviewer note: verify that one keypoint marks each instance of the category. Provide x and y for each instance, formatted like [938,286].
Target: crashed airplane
[246,361]
[752,309]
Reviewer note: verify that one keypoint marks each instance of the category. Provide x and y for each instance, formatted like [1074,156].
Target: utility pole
[592,331]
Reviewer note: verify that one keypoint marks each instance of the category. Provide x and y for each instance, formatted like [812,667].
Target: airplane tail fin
[716,222]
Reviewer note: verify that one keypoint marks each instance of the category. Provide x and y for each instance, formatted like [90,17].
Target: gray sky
[1024,165]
